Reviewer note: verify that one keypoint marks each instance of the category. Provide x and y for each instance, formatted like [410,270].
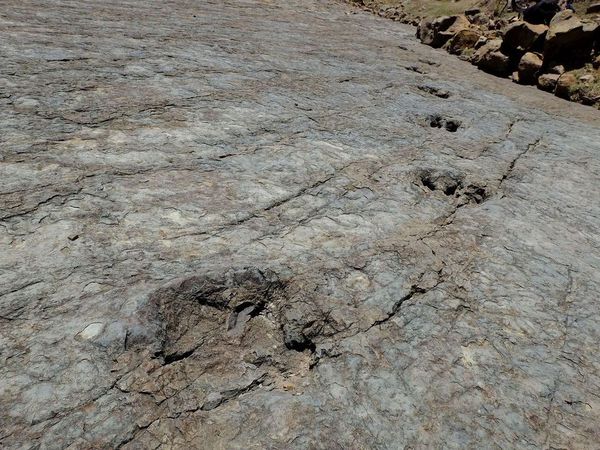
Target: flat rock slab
[258,224]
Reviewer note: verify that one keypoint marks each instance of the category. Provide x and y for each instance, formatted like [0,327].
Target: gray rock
[278,225]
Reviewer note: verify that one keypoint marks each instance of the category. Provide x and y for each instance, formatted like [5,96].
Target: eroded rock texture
[253,224]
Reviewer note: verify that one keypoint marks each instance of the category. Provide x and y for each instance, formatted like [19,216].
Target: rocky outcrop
[439,31]
[281,225]
[527,52]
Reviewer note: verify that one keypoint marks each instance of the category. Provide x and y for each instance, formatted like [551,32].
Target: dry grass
[592,88]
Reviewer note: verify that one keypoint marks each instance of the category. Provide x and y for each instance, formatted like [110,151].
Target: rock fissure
[509,171]
[414,290]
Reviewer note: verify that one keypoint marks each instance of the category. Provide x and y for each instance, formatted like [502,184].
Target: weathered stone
[565,85]
[563,19]
[273,224]
[425,32]
[438,31]
[482,20]
[589,96]
[529,66]
[491,45]
[497,24]
[520,37]
[461,41]
[541,11]
[547,82]
[490,59]
[593,8]
[559,70]
[587,78]
[476,17]
[569,41]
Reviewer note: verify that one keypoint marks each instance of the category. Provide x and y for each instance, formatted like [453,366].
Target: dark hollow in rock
[303,325]
[434,91]
[217,314]
[187,313]
[453,186]
[443,183]
[475,194]
[300,343]
[437,121]
[222,336]
[429,62]
[416,69]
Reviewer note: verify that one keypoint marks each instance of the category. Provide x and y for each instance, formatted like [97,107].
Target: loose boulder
[462,41]
[566,85]
[541,12]
[476,17]
[439,31]
[569,41]
[490,59]
[547,82]
[589,96]
[529,67]
[520,37]
[594,8]
[491,45]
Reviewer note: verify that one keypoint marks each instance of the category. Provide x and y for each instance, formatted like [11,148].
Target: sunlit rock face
[257,224]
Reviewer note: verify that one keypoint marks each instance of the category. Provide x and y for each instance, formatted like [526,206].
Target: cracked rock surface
[257,224]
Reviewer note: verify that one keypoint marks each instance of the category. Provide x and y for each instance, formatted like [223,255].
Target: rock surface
[259,224]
